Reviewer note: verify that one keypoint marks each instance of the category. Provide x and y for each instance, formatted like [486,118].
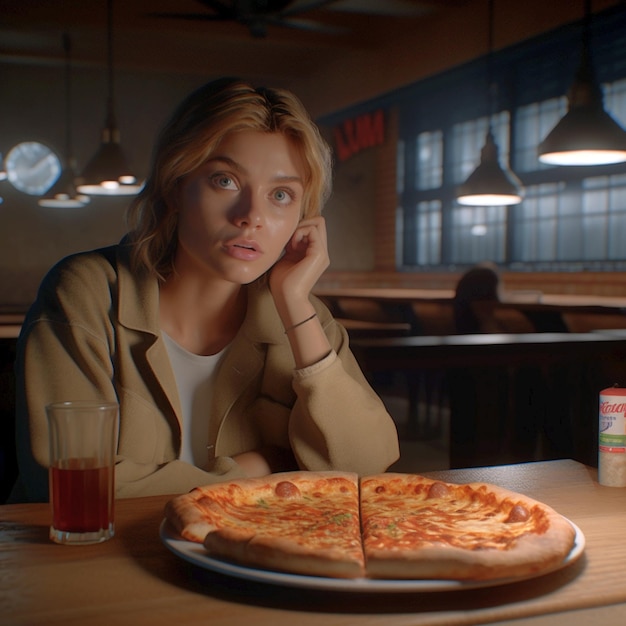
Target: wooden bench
[512,397]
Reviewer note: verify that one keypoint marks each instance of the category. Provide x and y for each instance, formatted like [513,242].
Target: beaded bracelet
[308,319]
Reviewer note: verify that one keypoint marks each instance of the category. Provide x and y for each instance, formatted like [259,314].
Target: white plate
[196,554]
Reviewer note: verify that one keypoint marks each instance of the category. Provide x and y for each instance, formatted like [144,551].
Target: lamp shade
[587,134]
[63,194]
[490,184]
[108,173]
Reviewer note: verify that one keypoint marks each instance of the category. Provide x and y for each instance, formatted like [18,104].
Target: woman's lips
[243,249]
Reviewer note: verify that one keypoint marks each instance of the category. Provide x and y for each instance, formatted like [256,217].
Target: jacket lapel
[138,310]
[242,367]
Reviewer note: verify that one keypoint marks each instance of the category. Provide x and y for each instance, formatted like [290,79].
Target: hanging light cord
[587,19]
[585,71]
[67,46]
[111,122]
[491,86]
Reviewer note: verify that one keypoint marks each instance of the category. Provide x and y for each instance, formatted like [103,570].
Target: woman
[201,322]
[480,284]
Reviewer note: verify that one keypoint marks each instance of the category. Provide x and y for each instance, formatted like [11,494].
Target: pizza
[301,522]
[391,526]
[415,527]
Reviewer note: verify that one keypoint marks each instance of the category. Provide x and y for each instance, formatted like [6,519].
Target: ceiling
[31,32]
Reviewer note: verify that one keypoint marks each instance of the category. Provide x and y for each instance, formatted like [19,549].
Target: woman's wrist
[301,323]
[294,311]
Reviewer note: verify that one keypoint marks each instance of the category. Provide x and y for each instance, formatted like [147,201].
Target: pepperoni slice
[286,489]
[518,513]
[438,490]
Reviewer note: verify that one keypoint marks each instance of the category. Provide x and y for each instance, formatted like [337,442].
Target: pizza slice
[417,528]
[298,522]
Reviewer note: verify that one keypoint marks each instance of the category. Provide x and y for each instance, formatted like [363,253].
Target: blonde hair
[191,136]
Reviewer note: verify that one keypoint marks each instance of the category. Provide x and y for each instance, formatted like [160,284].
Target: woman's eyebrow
[227,160]
[287,179]
[280,178]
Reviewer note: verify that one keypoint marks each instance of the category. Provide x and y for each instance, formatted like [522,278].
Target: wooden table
[10,331]
[133,579]
[10,325]
[509,395]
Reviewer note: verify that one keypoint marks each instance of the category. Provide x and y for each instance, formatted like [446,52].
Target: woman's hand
[291,281]
[305,259]
[253,464]
[259,463]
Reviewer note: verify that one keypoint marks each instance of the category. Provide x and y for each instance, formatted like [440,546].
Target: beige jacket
[93,334]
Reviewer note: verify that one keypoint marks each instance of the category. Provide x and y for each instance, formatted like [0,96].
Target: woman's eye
[282,196]
[223,181]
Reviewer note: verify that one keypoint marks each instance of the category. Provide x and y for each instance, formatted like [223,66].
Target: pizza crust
[282,554]
[530,557]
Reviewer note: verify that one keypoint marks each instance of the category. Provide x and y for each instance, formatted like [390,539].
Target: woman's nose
[248,211]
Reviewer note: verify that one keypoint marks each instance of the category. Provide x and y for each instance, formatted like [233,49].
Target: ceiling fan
[257,15]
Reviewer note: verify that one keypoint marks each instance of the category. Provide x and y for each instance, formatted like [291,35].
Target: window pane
[478,234]
[429,233]
[617,218]
[535,225]
[429,160]
[615,100]
[532,123]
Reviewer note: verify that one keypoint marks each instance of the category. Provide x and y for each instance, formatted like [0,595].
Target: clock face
[32,167]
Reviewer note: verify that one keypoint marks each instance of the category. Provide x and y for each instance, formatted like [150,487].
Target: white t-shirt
[194,375]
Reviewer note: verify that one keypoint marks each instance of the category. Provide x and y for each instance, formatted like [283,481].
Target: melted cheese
[325,516]
[397,518]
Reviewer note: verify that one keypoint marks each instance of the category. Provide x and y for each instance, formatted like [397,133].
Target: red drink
[80,494]
[81,475]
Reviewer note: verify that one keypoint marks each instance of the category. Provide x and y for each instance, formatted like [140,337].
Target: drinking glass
[81,475]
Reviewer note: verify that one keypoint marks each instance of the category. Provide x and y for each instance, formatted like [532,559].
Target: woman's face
[238,210]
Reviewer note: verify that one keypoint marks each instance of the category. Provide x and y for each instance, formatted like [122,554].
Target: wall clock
[32,167]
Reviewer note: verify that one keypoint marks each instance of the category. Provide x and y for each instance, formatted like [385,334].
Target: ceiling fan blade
[269,7]
[192,16]
[396,8]
[217,6]
[304,24]
[303,6]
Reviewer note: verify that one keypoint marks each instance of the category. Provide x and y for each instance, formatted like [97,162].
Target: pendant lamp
[587,134]
[490,184]
[63,194]
[108,173]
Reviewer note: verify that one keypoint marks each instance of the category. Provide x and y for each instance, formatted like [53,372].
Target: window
[570,217]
